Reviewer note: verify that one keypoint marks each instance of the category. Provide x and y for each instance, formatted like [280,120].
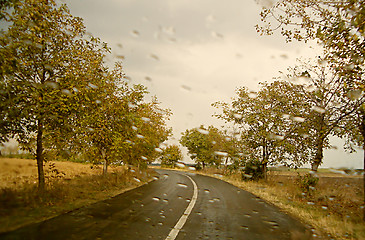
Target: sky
[192,53]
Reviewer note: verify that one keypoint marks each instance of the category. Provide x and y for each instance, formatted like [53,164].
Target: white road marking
[175,231]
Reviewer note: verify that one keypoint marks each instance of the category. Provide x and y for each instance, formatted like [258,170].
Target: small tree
[171,155]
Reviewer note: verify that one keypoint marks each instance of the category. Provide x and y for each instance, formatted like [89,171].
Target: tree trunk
[39,156]
[362,130]
[105,167]
[319,155]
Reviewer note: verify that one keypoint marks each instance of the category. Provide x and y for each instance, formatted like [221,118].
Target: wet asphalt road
[220,211]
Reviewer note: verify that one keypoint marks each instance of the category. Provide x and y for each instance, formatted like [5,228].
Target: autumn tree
[171,155]
[331,106]
[271,123]
[48,69]
[206,146]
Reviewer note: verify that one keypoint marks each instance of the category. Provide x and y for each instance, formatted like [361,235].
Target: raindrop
[237,115]
[218,175]
[148,79]
[158,150]
[134,128]
[203,131]
[273,223]
[160,223]
[211,201]
[276,137]
[120,45]
[255,211]
[140,136]
[135,33]
[216,199]
[154,57]
[131,105]
[148,219]
[322,62]
[192,168]
[298,119]
[252,94]
[186,87]
[247,175]
[136,179]
[244,227]
[92,86]
[199,213]
[120,57]
[310,203]
[165,200]
[354,94]
[319,109]
[284,56]
[182,185]
[217,35]
[66,92]
[144,158]
[142,205]
[127,77]
[331,198]
[162,216]
[146,119]
[179,197]
[324,207]
[156,199]
[75,89]
[206,191]
[286,116]
[247,215]
[97,101]
[188,200]
[223,154]
[181,165]
[129,141]
[50,84]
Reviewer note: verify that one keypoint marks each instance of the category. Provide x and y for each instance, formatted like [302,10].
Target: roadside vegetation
[69,186]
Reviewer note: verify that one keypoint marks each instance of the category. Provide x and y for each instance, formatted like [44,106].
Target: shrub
[307,182]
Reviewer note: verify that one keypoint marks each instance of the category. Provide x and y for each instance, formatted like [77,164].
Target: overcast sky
[191,53]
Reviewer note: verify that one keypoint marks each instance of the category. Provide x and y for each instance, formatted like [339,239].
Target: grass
[334,208]
[69,186]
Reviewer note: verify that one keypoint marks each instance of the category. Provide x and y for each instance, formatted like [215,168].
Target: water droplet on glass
[324,207]
[331,198]
[188,200]
[92,86]
[298,119]
[247,215]
[203,131]
[218,175]
[97,101]
[180,165]
[284,56]
[354,94]
[135,33]
[179,197]
[192,168]
[66,92]
[158,150]
[182,185]
[140,136]
[206,191]
[319,109]
[186,87]
[143,158]
[160,223]
[156,199]
[223,154]
[165,200]
[252,94]
[148,79]
[136,179]
[148,219]
[244,227]
[310,203]
[145,119]
[120,57]
[53,85]
[237,115]
[154,57]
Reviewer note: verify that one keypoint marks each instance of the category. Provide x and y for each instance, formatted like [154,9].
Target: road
[177,205]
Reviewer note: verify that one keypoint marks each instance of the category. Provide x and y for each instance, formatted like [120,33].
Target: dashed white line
[179,225]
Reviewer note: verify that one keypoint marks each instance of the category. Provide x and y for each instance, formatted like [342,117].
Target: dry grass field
[69,186]
[334,208]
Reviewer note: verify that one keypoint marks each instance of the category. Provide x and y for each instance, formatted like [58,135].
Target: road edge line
[179,225]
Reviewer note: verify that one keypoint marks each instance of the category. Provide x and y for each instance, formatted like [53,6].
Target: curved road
[176,206]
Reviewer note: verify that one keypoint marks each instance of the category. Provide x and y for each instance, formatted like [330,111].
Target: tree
[48,70]
[330,106]
[207,146]
[171,155]
[271,123]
